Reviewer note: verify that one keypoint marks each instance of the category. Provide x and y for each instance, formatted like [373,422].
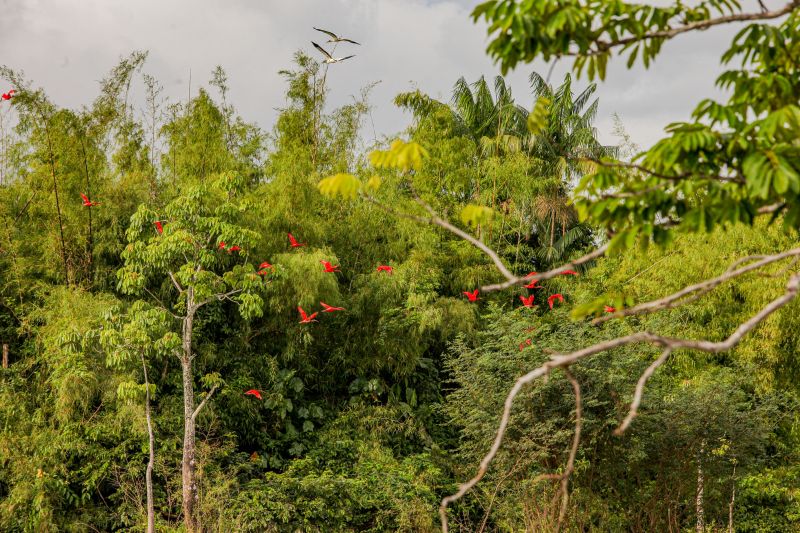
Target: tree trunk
[733,499]
[90,237]
[701,521]
[5,356]
[188,461]
[58,203]
[148,476]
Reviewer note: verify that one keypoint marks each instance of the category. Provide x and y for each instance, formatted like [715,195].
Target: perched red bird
[569,273]
[385,268]
[330,308]
[253,392]
[294,242]
[8,95]
[609,309]
[87,202]
[222,245]
[522,345]
[527,302]
[264,265]
[307,319]
[473,296]
[552,298]
[233,249]
[159,227]
[329,267]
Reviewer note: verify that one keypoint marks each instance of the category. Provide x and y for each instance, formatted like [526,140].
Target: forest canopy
[488,321]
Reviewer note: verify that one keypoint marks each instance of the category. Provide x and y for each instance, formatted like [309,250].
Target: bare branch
[693,292]
[576,440]
[604,46]
[204,402]
[637,395]
[220,297]
[175,282]
[564,360]
[669,177]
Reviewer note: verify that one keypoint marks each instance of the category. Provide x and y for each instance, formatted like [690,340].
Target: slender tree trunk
[148,476]
[58,203]
[733,499]
[701,520]
[188,461]
[5,355]
[90,237]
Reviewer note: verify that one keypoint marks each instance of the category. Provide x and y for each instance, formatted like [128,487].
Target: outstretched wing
[333,35]
[350,41]
[343,58]
[318,47]
[302,313]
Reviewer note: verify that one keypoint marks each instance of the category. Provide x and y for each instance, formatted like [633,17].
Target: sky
[66,46]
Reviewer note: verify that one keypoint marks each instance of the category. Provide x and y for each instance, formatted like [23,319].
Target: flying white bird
[329,58]
[335,38]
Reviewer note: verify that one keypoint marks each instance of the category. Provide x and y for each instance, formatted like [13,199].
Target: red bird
[8,95]
[523,344]
[473,296]
[307,319]
[159,227]
[222,245]
[87,202]
[553,298]
[233,249]
[609,309]
[330,308]
[385,268]
[294,242]
[253,392]
[527,302]
[262,272]
[264,265]
[329,267]
[569,273]
[533,285]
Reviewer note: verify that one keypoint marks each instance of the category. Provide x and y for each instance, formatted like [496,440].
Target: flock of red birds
[263,270]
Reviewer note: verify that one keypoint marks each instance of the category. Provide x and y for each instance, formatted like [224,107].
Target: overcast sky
[65,46]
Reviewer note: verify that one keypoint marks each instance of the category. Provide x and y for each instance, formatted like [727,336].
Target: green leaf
[472,215]
[344,185]
[537,119]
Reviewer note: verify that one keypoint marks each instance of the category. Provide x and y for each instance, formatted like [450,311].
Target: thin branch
[564,490]
[161,304]
[669,177]
[220,297]
[604,46]
[564,360]
[175,282]
[693,292]
[639,392]
[204,402]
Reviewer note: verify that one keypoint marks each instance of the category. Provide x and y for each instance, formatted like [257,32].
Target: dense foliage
[154,310]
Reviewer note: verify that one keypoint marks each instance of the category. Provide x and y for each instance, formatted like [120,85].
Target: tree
[186,264]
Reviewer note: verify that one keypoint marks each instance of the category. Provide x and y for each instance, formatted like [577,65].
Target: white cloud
[66,45]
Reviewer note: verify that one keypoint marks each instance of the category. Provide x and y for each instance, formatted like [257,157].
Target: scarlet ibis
[294,242]
[8,95]
[222,245]
[329,58]
[262,272]
[159,227]
[329,267]
[264,265]
[253,392]
[553,297]
[87,202]
[307,319]
[330,308]
[473,296]
[233,248]
[609,309]
[335,38]
[527,302]
[569,273]
[533,285]
[385,268]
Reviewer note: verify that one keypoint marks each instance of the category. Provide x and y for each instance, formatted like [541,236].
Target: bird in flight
[553,297]
[307,319]
[222,245]
[233,248]
[385,268]
[87,202]
[10,94]
[473,296]
[609,309]
[294,242]
[264,265]
[253,392]
[527,302]
[159,227]
[569,273]
[329,267]
[335,38]
[329,58]
[533,285]
[330,308]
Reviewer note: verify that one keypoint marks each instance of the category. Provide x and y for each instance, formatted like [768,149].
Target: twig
[639,392]
[567,359]
[564,490]
[203,403]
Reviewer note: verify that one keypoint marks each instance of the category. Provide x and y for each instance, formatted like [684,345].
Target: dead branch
[637,395]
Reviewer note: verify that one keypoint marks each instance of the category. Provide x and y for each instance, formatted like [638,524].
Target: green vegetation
[157,363]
